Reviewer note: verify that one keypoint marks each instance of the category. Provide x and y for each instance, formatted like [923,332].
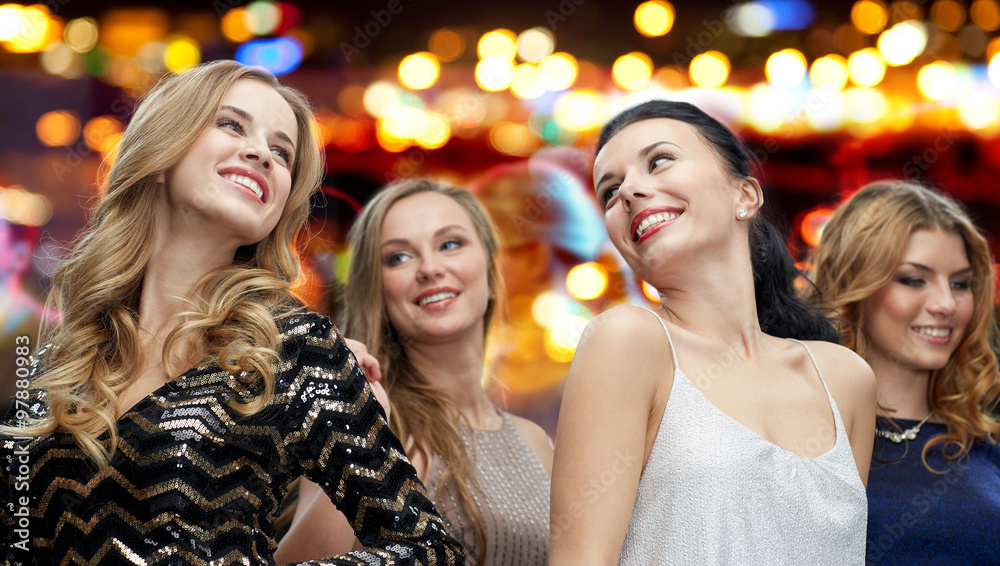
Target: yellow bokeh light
[446,44]
[558,71]
[654,18]
[869,16]
[829,73]
[587,281]
[865,105]
[512,138]
[786,68]
[234,26]
[993,70]
[59,59]
[866,67]
[58,128]
[81,34]
[494,73]
[901,113]
[651,293]
[436,132]
[181,54]
[709,69]
[558,345]
[579,111]
[937,80]
[765,107]
[419,71]
[380,95]
[20,206]
[11,21]
[902,43]
[902,10]
[498,43]
[986,14]
[632,71]
[535,44]
[526,83]
[949,15]
[979,110]
[546,306]
[37,30]
[99,130]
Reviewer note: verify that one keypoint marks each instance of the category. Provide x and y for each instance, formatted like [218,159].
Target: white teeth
[653,220]
[248,183]
[437,297]
[935,332]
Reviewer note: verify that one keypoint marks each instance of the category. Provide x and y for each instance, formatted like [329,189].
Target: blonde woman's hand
[369,365]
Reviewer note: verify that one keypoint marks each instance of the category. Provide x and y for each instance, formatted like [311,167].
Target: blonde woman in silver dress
[423,290]
[696,433]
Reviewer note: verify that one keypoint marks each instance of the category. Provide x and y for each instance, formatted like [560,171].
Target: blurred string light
[419,70]
[234,26]
[494,73]
[558,71]
[829,73]
[654,18]
[766,108]
[20,206]
[181,54]
[101,133]
[513,138]
[535,44]
[446,44]
[786,68]
[57,128]
[869,16]
[865,105]
[813,224]
[81,34]
[937,81]
[27,29]
[59,59]
[261,17]
[949,15]
[579,111]
[753,20]
[979,110]
[709,69]
[527,83]
[587,281]
[985,14]
[278,55]
[866,67]
[903,42]
[498,43]
[650,292]
[632,71]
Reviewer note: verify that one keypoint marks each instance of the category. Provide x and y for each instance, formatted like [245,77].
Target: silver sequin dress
[715,492]
[513,498]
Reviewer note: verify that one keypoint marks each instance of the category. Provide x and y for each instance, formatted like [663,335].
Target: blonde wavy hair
[422,416]
[860,250]
[231,315]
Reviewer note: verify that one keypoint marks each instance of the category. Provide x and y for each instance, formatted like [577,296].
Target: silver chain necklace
[908,434]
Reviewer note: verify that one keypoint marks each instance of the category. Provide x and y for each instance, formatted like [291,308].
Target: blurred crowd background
[506,99]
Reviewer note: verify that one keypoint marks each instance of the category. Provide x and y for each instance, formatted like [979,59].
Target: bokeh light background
[506,98]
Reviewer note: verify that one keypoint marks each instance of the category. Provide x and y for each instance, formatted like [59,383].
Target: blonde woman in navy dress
[697,433]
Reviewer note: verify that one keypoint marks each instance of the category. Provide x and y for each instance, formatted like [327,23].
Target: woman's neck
[716,301]
[457,369]
[901,391]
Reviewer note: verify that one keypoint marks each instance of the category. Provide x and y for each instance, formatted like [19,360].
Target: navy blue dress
[919,517]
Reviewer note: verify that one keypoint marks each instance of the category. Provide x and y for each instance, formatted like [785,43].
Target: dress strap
[815,365]
[673,352]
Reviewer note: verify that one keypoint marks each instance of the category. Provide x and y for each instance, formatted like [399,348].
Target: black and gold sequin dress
[192,482]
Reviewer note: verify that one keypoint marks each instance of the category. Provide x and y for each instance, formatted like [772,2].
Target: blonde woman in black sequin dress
[423,290]
[185,388]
